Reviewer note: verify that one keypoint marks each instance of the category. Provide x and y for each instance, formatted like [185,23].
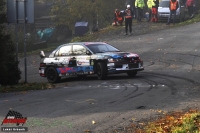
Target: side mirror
[42,55]
[88,52]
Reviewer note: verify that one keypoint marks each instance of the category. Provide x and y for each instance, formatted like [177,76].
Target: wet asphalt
[170,82]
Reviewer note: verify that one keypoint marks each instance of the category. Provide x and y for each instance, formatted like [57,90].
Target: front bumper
[122,68]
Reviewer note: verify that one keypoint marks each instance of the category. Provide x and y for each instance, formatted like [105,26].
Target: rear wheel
[101,70]
[132,73]
[52,75]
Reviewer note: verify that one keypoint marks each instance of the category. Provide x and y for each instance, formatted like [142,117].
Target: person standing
[139,5]
[149,5]
[155,6]
[189,6]
[173,6]
[128,14]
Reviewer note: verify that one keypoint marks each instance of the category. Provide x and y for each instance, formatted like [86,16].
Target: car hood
[163,10]
[115,55]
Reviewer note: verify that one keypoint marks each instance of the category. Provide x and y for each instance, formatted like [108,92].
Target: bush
[10,73]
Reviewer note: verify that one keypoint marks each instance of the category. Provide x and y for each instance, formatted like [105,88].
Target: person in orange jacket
[128,14]
[173,6]
[118,17]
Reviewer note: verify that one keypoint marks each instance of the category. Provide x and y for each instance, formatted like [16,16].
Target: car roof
[165,0]
[83,43]
[87,43]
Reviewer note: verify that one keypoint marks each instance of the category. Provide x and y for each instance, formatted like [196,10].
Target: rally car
[87,58]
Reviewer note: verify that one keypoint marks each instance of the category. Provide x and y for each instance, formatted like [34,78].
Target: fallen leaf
[88,131]
[141,123]
[24,92]
[133,119]
[93,122]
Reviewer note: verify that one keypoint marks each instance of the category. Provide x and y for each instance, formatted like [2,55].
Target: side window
[64,51]
[79,50]
[102,48]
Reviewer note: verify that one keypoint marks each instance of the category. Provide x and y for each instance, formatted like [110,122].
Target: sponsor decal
[116,56]
[72,70]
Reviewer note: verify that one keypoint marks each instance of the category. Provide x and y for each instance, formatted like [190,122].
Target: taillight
[42,64]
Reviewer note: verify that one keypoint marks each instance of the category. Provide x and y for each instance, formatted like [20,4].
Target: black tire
[101,70]
[52,75]
[180,19]
[183,19]
[132,73]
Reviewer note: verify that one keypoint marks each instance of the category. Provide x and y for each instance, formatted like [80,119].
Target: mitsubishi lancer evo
[88,58]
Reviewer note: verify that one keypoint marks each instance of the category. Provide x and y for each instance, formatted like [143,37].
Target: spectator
[155,11]
[139,5]
[149,5]
[128,13]
[195,10]
[173,6]
[118,17]
[189,6]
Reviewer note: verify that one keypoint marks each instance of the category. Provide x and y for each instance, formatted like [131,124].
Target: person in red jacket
[173,6]
[118,17]
[189,5]
[155,11]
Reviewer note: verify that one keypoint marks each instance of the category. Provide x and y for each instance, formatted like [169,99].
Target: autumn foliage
[175,122]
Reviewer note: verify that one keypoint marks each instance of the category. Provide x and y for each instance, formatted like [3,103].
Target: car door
[79,53]
[63,55]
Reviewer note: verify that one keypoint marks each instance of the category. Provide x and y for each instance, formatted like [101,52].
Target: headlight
[110,60]
[113,60]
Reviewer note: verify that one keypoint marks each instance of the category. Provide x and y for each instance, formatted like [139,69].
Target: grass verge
[195,19]
[26,87]
[93,36]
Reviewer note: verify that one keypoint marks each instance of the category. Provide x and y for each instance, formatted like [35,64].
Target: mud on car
[87,58]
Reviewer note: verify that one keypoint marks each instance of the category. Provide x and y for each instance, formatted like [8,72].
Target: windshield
[164,4]
[101,48]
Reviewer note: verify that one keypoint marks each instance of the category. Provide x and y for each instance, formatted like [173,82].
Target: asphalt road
[170,82]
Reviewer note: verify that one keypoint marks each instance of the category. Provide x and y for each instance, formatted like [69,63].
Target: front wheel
[101,70]
[52,75]
[132,73]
